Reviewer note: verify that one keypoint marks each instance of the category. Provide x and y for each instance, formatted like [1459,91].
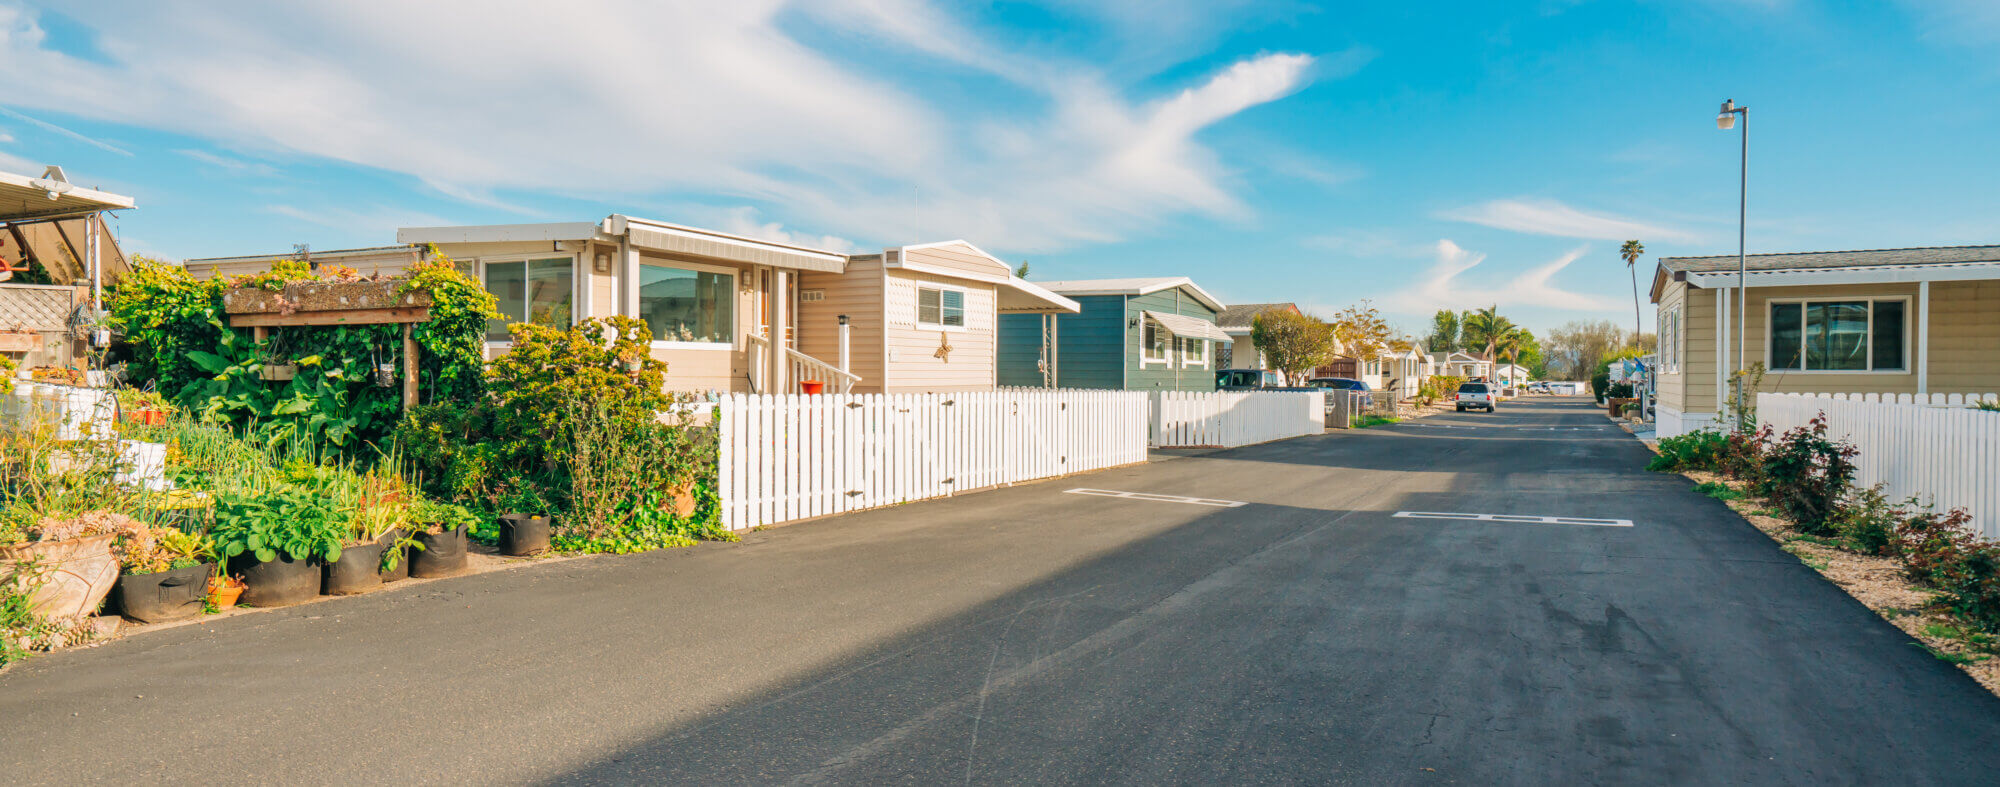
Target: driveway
[1034,635]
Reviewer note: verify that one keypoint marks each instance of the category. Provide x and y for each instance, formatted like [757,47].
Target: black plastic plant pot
[280,583]
[358,570]
[443,555]
[165,595]
[402,569]
[523,534]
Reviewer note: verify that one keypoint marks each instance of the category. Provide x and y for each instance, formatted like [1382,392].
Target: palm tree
[1483,329]
[1631,252]
[1510,342]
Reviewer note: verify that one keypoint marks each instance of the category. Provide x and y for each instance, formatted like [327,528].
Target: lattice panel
[34,309]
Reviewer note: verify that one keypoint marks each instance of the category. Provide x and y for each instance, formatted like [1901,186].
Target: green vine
[453,367]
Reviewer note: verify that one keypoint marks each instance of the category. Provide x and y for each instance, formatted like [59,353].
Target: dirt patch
[1877,582]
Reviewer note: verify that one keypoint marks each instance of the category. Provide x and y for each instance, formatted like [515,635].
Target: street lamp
[1726,120]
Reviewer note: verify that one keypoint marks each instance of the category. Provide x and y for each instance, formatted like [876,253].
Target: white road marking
[1529,520]
[1197,501]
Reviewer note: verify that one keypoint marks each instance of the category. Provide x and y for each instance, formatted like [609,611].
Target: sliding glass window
[533,291]
[682,305]
[1838,336]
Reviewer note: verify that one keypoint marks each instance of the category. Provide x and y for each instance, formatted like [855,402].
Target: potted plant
[441,539]
[68,562]
[166,573]
[524,530]
[223,590]
[380,509]
[277,540]
[145,408]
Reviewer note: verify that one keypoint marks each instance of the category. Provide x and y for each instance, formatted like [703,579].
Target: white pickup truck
[1472,395]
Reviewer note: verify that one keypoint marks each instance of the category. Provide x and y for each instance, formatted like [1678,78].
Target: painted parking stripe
[1515,518]
[1196,501]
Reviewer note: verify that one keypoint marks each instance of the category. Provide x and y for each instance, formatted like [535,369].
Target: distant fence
[787,457]
[1231,418]
[1938,450]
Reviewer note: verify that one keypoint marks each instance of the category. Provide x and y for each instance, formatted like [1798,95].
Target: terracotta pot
[76,574]
[222,594]
[811,386]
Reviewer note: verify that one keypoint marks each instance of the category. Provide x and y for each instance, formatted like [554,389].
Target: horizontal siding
[1090,344]
[1020,352]
[1965,345]
[958,257]
[912,365]
[1170,376]
[857,294]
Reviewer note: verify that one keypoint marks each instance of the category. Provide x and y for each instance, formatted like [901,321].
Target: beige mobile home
[385,260]
[1891,321]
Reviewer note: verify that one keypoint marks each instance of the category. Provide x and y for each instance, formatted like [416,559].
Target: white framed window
[1152,343]
[940,307]
[1839,335]
[1194,352]
[537,289]
[688,306]
[1670,341]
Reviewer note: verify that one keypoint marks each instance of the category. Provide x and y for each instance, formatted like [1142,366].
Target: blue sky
[1418,155]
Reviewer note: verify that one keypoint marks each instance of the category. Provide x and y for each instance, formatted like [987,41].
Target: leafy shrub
[1867,522]
[1742,455]
[453,366]
[1697,450]
[1942,551]
[605,362]
[1438,387]
[165,315]
[1805,475]
[628,471]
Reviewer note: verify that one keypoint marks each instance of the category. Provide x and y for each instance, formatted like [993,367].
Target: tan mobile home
[1889,321]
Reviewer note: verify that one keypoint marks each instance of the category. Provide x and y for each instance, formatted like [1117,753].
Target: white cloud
[743,221]
[18,165]
[629,101]
[233,166]
[55,129]
[1968,22]
[377,220]
[1443,286]
[1549,217]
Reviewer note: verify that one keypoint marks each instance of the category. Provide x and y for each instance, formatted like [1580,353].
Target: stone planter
[75,575]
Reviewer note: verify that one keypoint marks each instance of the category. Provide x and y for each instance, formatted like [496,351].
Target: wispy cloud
[1549,217]
[233,166]
[53,128]
[681,101]
[378,220]
[1443,286]
[744,221]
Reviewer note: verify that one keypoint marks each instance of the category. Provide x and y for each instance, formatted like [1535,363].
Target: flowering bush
[1806,474]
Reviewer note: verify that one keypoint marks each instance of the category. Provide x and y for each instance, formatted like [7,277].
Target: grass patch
[1816,562]
[1718,490]
[1375,420]
[1820,540]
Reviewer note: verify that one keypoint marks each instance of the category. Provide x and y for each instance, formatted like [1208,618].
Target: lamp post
[1726,120]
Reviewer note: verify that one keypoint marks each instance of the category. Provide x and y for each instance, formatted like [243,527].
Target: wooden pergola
[335,304]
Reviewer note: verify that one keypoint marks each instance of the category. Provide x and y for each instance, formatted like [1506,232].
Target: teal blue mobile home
[1155,334]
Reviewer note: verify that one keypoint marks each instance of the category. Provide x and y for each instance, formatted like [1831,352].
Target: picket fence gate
[791,456]
[1188,419]
[1939,451]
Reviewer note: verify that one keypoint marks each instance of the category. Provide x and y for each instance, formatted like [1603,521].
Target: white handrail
[803,367]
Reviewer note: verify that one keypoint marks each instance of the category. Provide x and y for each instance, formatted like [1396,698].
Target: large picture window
[682,305]
[533,291]
[940,308]
[1838,336]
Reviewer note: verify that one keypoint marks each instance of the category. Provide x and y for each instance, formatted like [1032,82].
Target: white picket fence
[1938,450]
[1185,419]
[787,457]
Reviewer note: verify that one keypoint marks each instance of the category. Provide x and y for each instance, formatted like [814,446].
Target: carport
[54,224]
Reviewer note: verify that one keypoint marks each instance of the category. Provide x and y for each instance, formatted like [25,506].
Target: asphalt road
[1029,635]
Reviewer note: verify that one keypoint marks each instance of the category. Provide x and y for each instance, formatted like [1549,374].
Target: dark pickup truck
[1247,379]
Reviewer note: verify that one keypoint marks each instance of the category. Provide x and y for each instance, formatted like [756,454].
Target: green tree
[1361,332]
[1483,329]
[1021,272]
[1631,252]
[1444,332]
[1293,343]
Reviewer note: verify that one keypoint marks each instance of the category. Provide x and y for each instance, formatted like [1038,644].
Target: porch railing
[800,367]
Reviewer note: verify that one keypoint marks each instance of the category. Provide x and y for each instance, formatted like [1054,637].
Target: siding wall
[1169,376]
[1964,343]
[958,257]
[1089,344]
[389,262]
[910,360]
[1021,350]
[857,294]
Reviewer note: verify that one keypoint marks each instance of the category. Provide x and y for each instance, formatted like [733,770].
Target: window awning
[52,196]
[1189,327]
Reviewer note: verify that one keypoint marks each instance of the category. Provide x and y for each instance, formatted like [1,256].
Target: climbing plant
[165,314]
[454,339]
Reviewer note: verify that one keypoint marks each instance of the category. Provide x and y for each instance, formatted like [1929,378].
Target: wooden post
[409,366]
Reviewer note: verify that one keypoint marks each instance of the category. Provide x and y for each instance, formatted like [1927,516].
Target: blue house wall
[1099,348]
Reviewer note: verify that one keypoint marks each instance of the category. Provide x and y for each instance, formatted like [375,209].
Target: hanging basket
[385,375]
[278,372]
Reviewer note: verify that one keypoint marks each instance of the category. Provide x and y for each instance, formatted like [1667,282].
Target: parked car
[1471,395]
[1345,384]
[1247,379]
